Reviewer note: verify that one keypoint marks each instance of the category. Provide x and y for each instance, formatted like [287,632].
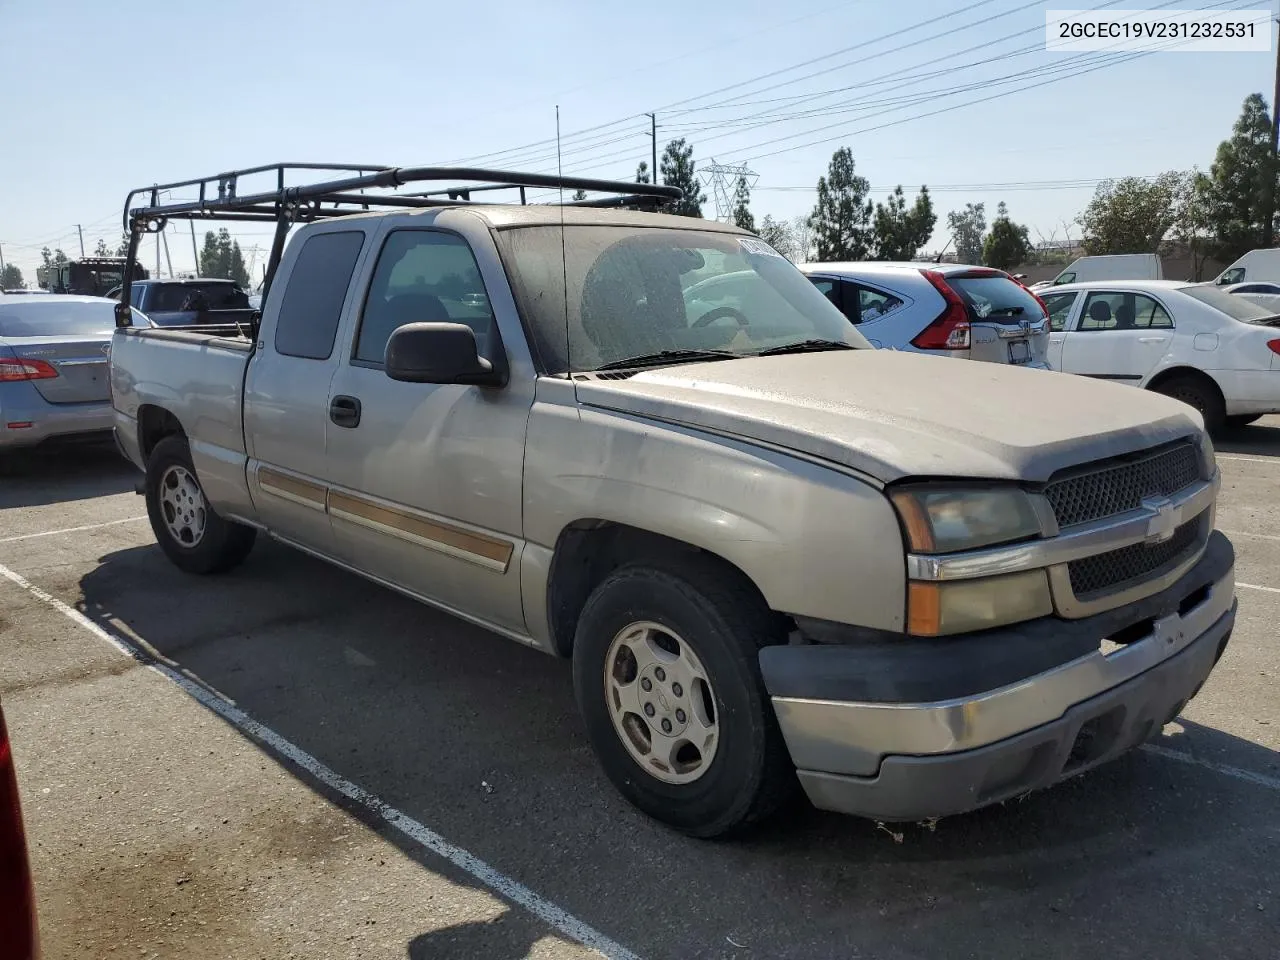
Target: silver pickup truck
[774,555]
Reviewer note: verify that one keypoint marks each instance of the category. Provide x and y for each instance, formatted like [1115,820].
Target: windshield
[40,318]
[634,291]
[1232,304]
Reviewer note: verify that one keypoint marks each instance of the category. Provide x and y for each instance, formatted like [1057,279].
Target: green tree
[841,219]
[102,250]
[642,172]
[1008,244]
[742,206]
[220,258]
[48,259]
[1243,175]
[968,230]
[122,248]
[778,234]
[676,167]
[11,278]
[901,231]
[1193,218]
[579,194]
[1130,215]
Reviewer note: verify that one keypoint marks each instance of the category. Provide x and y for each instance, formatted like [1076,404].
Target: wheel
[193,536]
[1202,395]
[1242,420]
[666,674]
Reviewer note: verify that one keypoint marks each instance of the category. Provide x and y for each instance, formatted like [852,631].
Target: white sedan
[1217,352]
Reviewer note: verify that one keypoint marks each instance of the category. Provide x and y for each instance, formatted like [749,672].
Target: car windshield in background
[635,292]
[37,318]
[176,297]
[1232,304]
[996,299]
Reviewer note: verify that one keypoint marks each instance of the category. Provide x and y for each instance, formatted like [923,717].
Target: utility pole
[167,261]
[653,132]
[1268,227]
[81,232]
[195,255]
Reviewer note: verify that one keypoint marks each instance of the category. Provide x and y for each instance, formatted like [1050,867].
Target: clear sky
[103,97]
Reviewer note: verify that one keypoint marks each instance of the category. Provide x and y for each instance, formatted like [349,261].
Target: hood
[893,415]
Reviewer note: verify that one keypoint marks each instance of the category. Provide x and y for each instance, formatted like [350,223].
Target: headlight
[1207,454]
[935,609]
[944,519]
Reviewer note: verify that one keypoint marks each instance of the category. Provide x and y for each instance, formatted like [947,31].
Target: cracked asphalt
[158,829]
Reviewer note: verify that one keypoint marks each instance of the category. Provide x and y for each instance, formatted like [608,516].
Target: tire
[746,774]
[1202,395]
[1241,421]
[204,542]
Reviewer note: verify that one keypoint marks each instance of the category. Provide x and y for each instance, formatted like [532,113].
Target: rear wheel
[192,535]
[667,676]
[1201,393]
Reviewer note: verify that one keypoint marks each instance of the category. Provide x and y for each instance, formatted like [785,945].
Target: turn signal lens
[962,606]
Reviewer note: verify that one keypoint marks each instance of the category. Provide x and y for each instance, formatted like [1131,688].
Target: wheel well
[154,424]
[1188,373]
[587,551]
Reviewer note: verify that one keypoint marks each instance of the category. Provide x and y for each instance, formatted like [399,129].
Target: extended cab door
[428,477]
[286,397]
[1119,335]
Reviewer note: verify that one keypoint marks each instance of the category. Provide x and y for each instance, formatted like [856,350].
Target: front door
[427,481]
[1060,307]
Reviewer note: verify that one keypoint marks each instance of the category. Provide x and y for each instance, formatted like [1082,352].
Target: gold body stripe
[488,551]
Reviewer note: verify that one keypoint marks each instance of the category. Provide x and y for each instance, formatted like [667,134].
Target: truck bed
[198,377]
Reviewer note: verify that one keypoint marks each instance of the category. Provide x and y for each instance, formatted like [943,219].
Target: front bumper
[890,758]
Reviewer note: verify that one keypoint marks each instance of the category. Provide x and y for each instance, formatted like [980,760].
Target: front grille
[1117,569]
[1120,485]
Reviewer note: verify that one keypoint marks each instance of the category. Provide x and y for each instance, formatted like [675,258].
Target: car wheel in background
[1201,393]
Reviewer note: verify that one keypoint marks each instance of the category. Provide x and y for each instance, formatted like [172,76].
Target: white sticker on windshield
[758,247]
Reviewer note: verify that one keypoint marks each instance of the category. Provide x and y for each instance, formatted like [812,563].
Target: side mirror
[438,353]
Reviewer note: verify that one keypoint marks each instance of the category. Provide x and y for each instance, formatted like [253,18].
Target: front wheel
[192,535]
[1201,393]
[667,676]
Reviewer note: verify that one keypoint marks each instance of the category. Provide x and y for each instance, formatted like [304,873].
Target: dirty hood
[892,415]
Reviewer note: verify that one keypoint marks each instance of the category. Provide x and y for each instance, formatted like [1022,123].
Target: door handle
[345,411]
[1152,339]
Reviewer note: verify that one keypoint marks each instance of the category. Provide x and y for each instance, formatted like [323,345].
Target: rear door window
[863,304]
[995,298]
[1107,310]
[1059,305]
[307,324]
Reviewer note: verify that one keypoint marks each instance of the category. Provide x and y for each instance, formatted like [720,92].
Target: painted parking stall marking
[511,890]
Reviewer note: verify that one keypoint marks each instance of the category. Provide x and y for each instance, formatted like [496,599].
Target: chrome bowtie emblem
[1161,526]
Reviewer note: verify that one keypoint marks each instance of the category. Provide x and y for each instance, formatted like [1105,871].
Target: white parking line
[1260,779]
[54,533]
[512,890]
[1254,586]
[1228,456]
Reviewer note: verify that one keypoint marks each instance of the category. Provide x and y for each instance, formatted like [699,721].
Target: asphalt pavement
[288,761]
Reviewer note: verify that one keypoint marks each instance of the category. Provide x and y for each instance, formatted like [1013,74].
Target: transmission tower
[722,178]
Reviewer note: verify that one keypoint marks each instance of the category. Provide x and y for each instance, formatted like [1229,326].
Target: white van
[1263,264]
[1121,266]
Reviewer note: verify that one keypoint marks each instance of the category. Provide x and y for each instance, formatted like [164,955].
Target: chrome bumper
[882,759]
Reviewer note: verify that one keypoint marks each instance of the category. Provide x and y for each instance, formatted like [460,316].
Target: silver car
[53,367]
[944,309]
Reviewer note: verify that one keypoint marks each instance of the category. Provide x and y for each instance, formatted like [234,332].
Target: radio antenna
[564,266]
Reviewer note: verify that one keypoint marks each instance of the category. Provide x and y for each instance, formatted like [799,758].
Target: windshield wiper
[805,346]
[667,356]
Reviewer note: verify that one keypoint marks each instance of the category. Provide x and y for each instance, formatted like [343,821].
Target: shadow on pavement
[1261,439]
[479,739]
[45,475]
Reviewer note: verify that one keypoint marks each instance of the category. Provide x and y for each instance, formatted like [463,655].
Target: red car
[17,894]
